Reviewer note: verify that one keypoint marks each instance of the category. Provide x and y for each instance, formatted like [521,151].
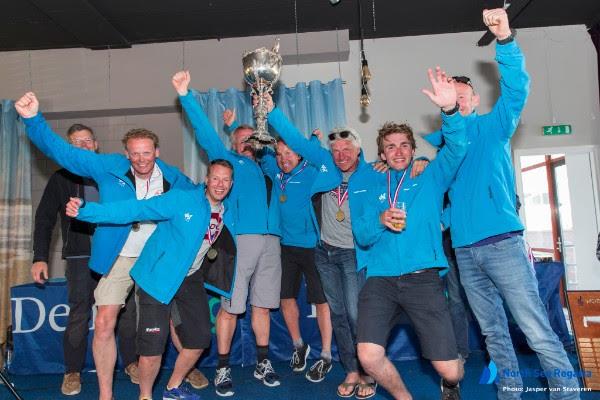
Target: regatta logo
[241,162]
[187,217]
[121,182]
[489,374]
[324,168]
[382,197]
[154,330]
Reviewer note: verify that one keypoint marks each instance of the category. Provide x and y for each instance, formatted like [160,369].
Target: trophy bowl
[262,68]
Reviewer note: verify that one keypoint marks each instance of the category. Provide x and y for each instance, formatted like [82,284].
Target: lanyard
[392,202]
[340,197]
[283,184]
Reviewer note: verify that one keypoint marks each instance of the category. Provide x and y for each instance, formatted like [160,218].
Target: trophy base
[258,141]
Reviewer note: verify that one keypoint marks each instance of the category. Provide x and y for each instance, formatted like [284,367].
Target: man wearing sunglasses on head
[486,231]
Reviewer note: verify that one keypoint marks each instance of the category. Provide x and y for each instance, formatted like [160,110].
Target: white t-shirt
[144,189]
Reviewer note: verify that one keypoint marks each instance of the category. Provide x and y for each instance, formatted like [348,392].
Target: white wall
[561,61]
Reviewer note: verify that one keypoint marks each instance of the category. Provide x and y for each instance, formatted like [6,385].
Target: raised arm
[79,161]
[514,79]
[158,208]
[206,135]
[443,95]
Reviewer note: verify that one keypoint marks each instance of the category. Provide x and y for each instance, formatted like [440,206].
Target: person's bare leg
[325,327]
[261,325]
[376,364]
[291,315]
[225,326]
[451,371]
[148,370]
[104,348]
[186,360]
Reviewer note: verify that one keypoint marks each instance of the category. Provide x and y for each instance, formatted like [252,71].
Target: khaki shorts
[115,286]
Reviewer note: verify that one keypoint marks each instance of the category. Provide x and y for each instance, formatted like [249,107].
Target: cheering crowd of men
[366,238]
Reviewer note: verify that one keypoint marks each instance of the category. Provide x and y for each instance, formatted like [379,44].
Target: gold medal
[282,198]
[212,254]
[340,216]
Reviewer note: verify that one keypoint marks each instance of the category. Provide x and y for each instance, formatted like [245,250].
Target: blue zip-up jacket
[419,245]
[362,177]
[257,211]
[182,220]
[110,171]
[483,196]
[317,173]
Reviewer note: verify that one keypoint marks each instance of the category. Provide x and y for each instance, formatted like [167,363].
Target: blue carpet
[418,375]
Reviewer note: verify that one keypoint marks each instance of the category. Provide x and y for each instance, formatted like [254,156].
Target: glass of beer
[400,205]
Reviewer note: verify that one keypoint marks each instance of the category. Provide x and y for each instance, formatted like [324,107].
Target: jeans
[337,269]
[81,282]
[498,271]
[459,309]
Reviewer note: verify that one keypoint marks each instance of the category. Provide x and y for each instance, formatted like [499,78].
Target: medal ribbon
[283,184]
[340,197]
[209,235]
[391,201]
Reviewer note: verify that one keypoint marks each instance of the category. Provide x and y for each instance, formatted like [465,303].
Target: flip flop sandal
[371,385]
[348,385]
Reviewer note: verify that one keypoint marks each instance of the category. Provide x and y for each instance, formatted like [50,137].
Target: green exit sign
[557,130]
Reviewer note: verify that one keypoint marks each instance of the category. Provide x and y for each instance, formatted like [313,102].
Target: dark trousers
[81,282]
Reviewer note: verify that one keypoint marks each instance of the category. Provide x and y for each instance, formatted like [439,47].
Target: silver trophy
[261,70]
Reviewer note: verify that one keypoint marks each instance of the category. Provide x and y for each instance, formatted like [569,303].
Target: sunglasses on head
[463,79]
[340,135]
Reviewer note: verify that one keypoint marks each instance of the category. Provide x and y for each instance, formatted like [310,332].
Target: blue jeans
[459,309]
[499,271]
[337,269]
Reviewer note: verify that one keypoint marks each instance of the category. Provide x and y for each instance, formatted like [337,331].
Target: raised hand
[229,117]
[497,22]
[28,105]
[72,208]
[442,93]
[181,81]
[318,133]
[39,271]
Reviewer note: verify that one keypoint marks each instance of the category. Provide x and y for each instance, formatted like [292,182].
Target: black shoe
[317,372]
[223,382]
[265,372]
[298,362]
[450,392]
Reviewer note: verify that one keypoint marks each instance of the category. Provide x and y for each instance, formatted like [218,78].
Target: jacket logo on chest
[187,217]
[382,197]
[323,168]
[121,182]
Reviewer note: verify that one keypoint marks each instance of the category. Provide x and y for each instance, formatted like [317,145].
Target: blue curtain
[15,208]
[308,106]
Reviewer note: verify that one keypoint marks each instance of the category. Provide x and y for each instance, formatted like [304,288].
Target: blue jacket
[256,209]
[112,174]
[419,245]
[483,196]
[299,224]
[182,220]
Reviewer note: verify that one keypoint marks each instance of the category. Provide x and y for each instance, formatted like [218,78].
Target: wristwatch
[509,39]
[452,111]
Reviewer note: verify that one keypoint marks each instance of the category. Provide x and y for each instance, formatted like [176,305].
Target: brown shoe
[133,372]
[71,384]
[196,379]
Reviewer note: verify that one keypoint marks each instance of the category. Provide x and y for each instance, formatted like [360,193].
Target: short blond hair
[140,133]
